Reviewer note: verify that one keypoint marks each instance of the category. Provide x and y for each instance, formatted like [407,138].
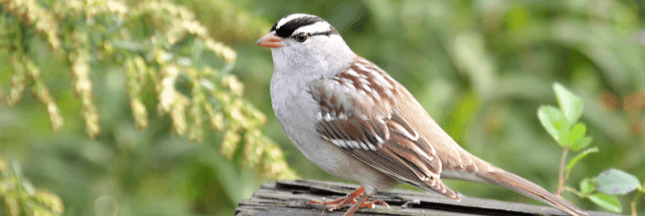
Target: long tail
[530,189]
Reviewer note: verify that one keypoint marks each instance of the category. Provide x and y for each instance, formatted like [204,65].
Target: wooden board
[289,197]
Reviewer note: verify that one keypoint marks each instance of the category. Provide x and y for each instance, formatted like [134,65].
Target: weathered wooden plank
[289,197]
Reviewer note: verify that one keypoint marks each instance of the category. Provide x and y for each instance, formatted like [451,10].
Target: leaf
[197,51]
[554,122]
[471,56]
[581,144]
[570,104]
[575,134]
[607,202]
[183,84]
[580,156]
[587,186]
[616,182]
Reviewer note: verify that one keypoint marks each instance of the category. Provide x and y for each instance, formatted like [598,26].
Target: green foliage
[562,123]
[570,104]
[161,50]
[587,189]
[579,157]
[554,122]
[571,135]
[169,51]
[19,197]
[563,126]
[606,201]
[587,186]
[616,182]
[608,183]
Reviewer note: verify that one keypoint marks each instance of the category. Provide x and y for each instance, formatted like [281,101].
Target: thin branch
[561,173]
[573,190]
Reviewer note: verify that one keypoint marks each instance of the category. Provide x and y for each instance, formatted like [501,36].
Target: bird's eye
[301,37]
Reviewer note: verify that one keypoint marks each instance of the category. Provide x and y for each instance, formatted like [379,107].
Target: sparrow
[353,120]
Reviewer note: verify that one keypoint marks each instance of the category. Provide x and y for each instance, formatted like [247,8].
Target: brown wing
[356,115]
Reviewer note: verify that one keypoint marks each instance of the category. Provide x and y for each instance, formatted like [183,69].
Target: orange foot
[349,199]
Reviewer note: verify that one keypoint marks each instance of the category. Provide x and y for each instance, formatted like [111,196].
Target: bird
[352,119]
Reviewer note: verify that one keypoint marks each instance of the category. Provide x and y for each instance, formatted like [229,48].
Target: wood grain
[288,198]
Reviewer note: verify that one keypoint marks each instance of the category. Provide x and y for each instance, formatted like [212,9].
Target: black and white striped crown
[302,23]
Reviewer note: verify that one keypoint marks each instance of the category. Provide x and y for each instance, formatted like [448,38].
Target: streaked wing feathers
[370,129]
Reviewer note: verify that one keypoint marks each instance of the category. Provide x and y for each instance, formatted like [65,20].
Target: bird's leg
[362,204]
[349,199]
[340,202]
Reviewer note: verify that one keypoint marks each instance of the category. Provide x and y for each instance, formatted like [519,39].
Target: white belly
[297,115]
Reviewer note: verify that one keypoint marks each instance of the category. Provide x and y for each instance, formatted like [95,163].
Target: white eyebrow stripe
[317,27]
[289,18]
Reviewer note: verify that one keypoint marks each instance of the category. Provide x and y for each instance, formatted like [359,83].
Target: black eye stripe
[333,31]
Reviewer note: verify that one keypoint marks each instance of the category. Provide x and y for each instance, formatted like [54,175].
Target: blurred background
[481,68]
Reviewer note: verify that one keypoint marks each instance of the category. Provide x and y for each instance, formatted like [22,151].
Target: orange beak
[270,40]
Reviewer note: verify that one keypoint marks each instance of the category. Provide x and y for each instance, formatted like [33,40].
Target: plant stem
[635,201]
[573,190]
[562,178]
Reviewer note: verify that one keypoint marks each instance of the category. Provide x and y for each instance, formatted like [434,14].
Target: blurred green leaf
[554,122]
[571,105]
[606,201]
[106,206]
[466,106]
[183,84]
[197,50]
[131,46]
[382,11]
[470,55]
[616,182]
[587,186]
[580,156]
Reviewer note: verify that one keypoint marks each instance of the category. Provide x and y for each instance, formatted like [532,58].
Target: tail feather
[530,189]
